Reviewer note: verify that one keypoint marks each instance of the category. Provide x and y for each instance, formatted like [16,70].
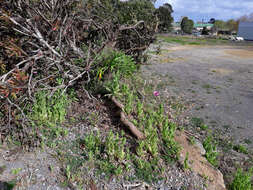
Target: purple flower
[156,93]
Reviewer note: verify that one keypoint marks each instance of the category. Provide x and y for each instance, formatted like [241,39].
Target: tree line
[232,24]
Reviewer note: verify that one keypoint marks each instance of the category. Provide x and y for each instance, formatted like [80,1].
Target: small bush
[118,65]
[116,62]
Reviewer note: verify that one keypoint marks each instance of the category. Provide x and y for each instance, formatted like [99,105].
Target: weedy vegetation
[241,148]
[115,153]
[197,122]
[192,140]
[242,180]
[186,162]
[211,152]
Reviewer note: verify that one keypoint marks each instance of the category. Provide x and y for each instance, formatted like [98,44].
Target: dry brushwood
[123,118]
[46,40]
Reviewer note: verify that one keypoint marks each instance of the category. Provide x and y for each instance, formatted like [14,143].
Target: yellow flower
[100,76]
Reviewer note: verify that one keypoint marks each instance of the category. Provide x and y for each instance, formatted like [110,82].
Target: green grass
[49,110]
[192,140]
[8,185]
[209,145]
[15,171]
[242,180]
[207,86]
[203,127]
[186,162]
[197,122]
[183,40]
[247,141]
[241,148]
[147,170]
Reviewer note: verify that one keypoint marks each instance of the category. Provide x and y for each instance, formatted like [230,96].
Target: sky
[206,9]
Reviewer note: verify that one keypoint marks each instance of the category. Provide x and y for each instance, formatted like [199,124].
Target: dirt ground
[217,80]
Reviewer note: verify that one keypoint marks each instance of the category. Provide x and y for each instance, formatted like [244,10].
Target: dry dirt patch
[177,48]
[241,53]
[170,60]
[222,71]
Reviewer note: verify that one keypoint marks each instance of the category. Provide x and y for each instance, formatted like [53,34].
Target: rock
[199,164]
[200,146]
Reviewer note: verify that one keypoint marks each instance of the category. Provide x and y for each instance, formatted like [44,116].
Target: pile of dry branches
[44,40]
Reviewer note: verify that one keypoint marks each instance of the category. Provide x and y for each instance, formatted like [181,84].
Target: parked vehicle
[239,38]
[236,38]
[196,34]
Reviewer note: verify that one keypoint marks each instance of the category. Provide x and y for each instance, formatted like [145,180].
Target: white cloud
[219,9]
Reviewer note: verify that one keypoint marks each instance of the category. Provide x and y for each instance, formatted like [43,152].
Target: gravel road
[218,80]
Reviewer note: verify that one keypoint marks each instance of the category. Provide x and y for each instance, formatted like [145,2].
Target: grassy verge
[183,40]
[115,153]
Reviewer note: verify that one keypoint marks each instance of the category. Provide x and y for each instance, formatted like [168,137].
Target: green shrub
[118,65]
[116,62]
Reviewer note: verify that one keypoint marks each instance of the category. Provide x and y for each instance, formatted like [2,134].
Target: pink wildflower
[156,93]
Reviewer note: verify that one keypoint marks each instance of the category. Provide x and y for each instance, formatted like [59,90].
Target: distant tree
[232,25]
[164,17]
[220,25]
[246,18]
[187,25]
[131,11]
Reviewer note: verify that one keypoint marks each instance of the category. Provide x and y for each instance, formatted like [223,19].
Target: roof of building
[203,25]
[176,24]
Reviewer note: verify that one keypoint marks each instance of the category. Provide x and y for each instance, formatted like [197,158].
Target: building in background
[176,26]
[197,26]
[200,26]
[245,30]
